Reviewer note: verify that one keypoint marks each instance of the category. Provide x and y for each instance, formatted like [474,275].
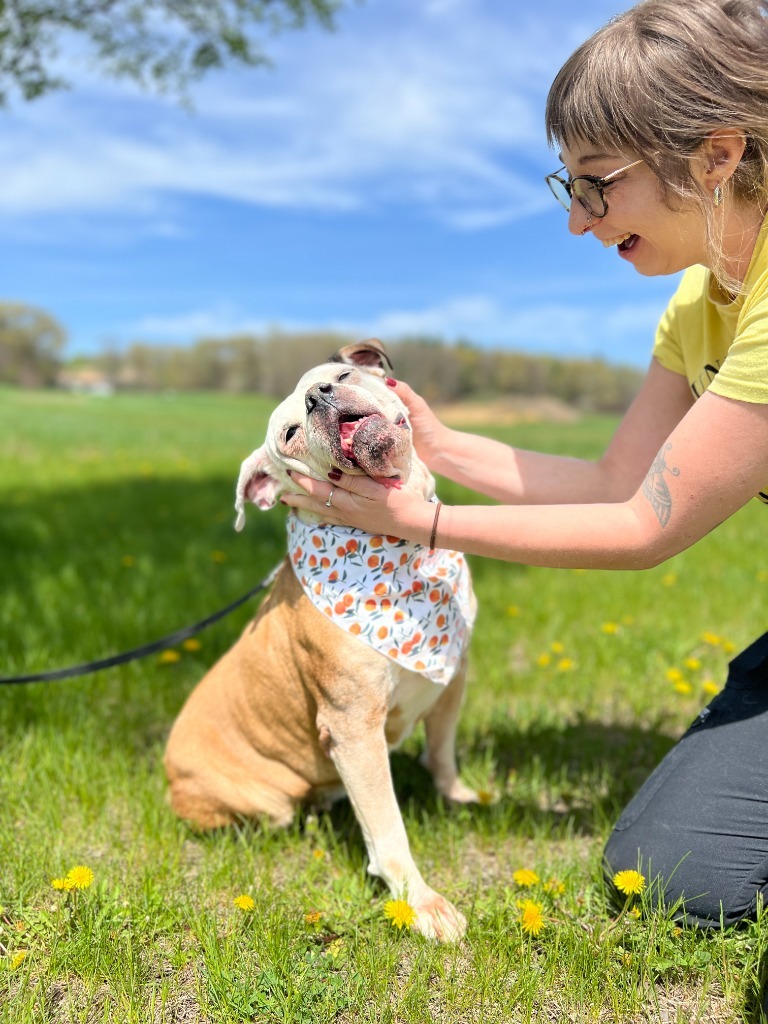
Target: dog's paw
[461,794]
[436,918]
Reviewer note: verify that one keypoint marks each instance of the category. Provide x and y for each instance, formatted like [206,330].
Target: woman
[661,119]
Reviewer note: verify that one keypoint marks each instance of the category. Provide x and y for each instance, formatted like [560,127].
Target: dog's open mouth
[350,423]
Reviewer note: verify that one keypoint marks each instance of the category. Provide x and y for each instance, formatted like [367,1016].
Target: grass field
[115,529]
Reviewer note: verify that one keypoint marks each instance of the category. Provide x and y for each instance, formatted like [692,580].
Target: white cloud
[425,107]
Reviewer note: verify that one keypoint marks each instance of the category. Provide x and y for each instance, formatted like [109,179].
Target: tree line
[32,346]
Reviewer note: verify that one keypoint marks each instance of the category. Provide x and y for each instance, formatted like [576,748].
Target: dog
[360,638]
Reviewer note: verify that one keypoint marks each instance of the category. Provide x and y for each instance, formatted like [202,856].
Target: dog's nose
[317,393]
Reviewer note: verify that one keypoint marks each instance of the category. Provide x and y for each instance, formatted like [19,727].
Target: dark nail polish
[334,474]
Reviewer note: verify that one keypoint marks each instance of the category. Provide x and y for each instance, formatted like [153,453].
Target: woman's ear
[721,152]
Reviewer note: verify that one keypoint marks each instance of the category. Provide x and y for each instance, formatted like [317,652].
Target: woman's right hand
[430,436]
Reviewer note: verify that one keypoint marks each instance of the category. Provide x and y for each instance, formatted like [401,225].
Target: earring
[717,195]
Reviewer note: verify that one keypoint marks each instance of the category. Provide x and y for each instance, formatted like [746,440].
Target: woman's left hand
[366,504]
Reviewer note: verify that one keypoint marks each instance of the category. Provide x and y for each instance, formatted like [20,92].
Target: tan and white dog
[360,639]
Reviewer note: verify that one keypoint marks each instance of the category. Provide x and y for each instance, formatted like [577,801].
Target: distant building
[85,380]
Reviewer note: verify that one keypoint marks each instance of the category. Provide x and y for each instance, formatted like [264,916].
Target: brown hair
[656,80]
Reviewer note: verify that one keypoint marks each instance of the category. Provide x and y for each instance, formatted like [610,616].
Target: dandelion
[192,644]
[669,579]
[610,627]
[710,687]
[244,903]
[683,688]
[635,912]
[169,657]
[554,887]
[18,958]
[334,948]
[61,883]
[525,877]
[674,675]
[531,917]
[79,877]
[631,883]
[729,646]
[565,664]
[557,647]
[543,660]
[484,797]
[313,917]
[692,663]
[318,854]
[400,913]
[711,638]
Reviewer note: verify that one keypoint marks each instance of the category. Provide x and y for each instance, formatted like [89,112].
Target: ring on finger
[329,503]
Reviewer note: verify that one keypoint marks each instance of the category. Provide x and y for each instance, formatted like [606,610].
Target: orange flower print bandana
[414,605]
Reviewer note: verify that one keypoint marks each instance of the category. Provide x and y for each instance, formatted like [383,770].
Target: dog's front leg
[440,728]
[362,760]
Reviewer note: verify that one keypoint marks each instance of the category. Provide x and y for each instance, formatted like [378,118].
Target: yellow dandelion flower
[635,912]
[710,687]
[711,638]
[554,887]
[565,664]
[557,647]
[543,660]
[729,646]
[669,580]
[692,664]
[484,797]
[531,917]
[683,688]
[400,913]
[169,657]
[630,882]
[244,903]
[193,644]
[219,556]
[79,877]
[610,627]
[61,883]
[18,958]
[525,877]
[334,948]
[313,917]
[318,854]
[673,675]
[513,611]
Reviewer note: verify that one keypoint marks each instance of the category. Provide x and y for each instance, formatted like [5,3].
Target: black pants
[699,824]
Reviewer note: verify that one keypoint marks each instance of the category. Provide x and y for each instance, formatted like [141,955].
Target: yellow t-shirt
[717,343]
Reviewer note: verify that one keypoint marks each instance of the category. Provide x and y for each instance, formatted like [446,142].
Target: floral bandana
[414,605]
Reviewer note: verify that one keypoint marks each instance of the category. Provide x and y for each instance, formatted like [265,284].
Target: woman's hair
[656,80]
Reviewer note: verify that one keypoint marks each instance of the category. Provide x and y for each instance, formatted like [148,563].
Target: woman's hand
[429,434]
[362,502]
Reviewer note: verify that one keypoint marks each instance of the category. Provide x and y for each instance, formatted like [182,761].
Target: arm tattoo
[655,486]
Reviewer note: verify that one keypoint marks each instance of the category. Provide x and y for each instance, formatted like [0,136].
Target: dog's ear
[370,354]
[258,482]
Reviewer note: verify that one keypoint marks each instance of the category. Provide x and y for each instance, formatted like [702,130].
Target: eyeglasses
[587,188]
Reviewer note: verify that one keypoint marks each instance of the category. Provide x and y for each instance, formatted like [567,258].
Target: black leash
[140,652]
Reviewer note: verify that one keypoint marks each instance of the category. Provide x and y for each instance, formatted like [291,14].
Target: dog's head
[342,415]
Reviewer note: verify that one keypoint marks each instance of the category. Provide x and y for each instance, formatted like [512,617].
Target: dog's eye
[343,376]
[291,431]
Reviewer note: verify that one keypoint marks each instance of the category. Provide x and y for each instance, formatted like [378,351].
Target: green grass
[115,529]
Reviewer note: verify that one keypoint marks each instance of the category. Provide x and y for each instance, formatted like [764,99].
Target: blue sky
[385,179]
